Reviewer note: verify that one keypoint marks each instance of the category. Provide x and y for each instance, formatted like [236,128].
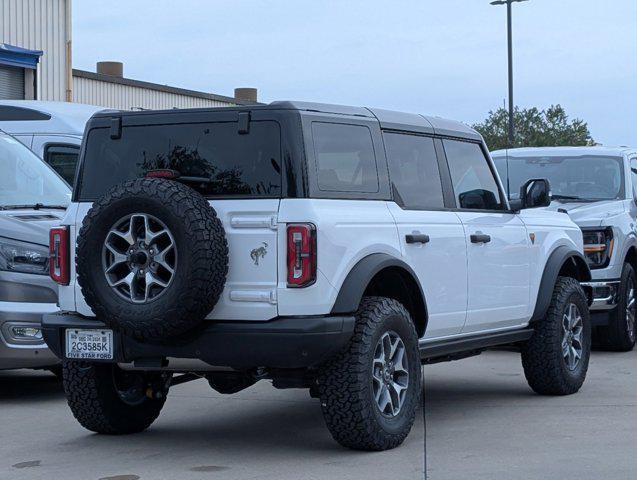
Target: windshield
[586,177]
[26,179]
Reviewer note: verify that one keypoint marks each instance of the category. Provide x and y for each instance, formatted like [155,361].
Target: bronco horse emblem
[257,253]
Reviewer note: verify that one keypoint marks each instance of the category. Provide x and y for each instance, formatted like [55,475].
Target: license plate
[89,344]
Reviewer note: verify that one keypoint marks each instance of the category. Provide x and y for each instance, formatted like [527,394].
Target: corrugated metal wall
[126,97]
[11,83]
[39,25]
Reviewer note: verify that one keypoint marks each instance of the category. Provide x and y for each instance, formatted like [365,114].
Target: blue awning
[18,56]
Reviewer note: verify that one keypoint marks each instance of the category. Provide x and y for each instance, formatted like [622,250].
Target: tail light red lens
[59,255]
[301,254]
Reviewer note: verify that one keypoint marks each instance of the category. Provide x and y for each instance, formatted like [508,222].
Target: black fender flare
[357,280]
[558,258]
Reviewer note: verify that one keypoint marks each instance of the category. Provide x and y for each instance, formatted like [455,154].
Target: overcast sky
[440,57]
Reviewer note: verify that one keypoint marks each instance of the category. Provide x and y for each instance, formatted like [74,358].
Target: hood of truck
[29,225]
[590,214]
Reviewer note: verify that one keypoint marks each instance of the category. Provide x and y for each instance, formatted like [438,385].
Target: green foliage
[534,128]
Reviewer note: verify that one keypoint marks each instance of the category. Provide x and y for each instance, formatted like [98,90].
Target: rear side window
[414,171]
[345,158]
[63,159]
[234,164]
[474,185]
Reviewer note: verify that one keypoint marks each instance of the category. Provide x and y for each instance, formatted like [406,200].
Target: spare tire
[152,258]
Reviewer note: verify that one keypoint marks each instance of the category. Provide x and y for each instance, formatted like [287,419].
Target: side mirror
[534,193]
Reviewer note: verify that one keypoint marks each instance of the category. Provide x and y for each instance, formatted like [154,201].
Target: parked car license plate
[89,344]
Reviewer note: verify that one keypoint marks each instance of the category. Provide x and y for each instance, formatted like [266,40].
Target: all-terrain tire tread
[207,246]
[542,354]
[98,412]
[346,408]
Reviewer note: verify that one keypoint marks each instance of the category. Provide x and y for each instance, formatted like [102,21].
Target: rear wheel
[106,399]
[621,333]
[370,392]
[555,359]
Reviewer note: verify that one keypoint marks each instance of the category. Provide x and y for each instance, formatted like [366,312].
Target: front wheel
[106,399]
[621,333]
[370,392]
[555,359]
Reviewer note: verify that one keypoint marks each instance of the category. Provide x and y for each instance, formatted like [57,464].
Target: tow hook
[158,389]
[154,394]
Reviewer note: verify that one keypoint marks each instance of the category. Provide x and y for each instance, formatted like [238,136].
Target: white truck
[318,246]
[53,130]
[597,187]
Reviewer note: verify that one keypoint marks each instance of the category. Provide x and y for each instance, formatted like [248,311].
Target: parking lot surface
[483,422]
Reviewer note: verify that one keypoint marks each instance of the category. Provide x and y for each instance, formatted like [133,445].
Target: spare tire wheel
[152,258]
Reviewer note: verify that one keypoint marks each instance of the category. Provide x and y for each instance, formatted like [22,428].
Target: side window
[413,169]
[345,158]
[474,185]
[63,159]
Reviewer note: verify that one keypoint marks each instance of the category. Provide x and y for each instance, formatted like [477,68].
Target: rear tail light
[59,255]
[301,254]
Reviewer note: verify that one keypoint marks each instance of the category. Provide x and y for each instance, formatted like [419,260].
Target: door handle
[417,238]
[480,238]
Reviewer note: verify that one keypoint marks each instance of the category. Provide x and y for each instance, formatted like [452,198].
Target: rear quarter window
[345,158]
[244,165]
[63,159]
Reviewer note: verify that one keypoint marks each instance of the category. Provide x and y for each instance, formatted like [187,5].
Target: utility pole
[509,3]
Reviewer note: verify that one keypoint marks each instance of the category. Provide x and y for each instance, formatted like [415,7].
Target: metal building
[109,88]
[36,64]
[35,49]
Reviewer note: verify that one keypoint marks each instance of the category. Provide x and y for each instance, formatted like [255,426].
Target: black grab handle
[480,238]
[417,238]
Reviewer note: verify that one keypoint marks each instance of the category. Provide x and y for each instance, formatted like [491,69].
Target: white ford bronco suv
[597,187]
[318,246]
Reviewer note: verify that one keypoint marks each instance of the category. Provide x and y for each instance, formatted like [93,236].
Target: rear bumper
[284,342]
[18,352]
[605,294]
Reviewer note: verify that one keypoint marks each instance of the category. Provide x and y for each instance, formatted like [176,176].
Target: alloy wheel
[390,374]
[572,340]
[631,310]
[139,257]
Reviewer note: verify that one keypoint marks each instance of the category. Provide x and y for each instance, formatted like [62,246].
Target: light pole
[508,3]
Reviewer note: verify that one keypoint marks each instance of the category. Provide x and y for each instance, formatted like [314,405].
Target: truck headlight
[598,246]
[23,257]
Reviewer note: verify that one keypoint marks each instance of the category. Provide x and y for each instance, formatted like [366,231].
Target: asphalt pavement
[483,422]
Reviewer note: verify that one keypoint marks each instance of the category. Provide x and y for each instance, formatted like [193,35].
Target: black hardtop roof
[388,119]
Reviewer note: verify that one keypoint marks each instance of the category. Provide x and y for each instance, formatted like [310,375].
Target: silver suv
[33,198]
[597,187]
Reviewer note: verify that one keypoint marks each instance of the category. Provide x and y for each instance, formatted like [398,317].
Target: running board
[462,347]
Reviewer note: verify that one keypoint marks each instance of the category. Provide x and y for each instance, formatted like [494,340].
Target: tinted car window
[233,164]
[345,158]
[473,182]
[413,169]
[63,159]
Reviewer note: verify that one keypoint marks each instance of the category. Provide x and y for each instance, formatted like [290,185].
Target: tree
[534,128]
